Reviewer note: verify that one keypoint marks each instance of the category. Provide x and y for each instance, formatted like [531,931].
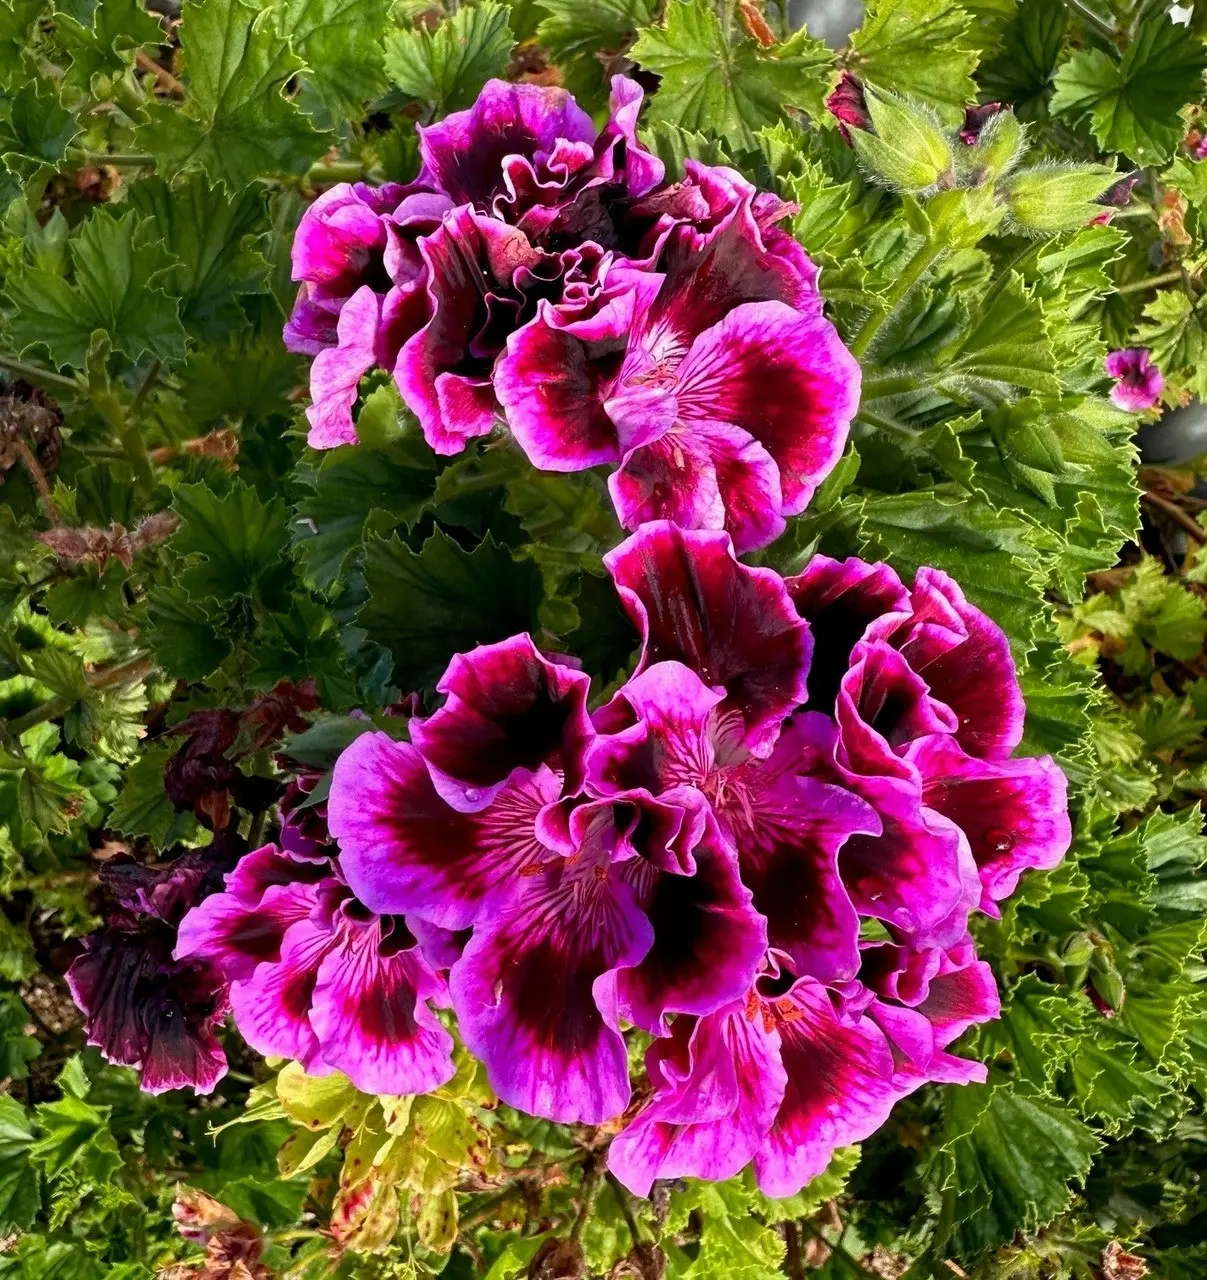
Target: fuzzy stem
[34,373]
[590,1191]
[1150,282]
[921,262]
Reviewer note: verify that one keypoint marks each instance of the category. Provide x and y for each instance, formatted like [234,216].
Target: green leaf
[447,67]
[35,127]
[1008,1161]
[1109,1086]
[239,537]
[183,636]
[426,605]
[74,1132]
[142,807]
[19,1197]
[211,235]
[340,41]
[236,122]
[119,269]
[106,44]
[1133,103]
[17,1051]
[918,47]
[1021,71]
[575,34]
[731,89]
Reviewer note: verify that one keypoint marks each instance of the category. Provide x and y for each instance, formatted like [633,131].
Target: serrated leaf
[119,270]
[1133,102]
[19,1196]
[239,537]
[211,236]
[1021,70]
[447,67]
[142,807]
[235,123]
[340,41]
[918,47]
[426,605]
[183,636]
[106,44]
[575,34]
[731,88]
[35,128]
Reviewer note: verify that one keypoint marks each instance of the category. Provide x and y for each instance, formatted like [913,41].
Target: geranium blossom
[543,273]
[791,758]
[1138,382]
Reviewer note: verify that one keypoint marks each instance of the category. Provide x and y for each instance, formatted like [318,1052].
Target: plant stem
[590,1191]
[1095,20]
[120,160]
[1150,282]
[793,1259]
[626,1207]
[35,373]
[144,388]
[1177,515]
[105,678]
[336,171]
[918,267]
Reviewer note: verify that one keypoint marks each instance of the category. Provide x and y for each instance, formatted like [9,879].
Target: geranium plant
[590,684]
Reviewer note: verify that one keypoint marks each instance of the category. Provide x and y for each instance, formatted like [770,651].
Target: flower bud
[848,106]
[996,149]
[1049,198]
[1078,949]
[909,149]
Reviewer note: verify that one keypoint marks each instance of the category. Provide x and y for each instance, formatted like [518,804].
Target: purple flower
[790,759]
[975,119]
[716,385]
[1138,382]
[142,1007]
[317,977]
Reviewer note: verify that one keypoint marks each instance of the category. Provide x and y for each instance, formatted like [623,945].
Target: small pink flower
[1138,382]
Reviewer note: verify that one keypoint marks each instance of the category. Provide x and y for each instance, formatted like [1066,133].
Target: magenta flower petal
[529,989]
[718,1083]
[702,475]
[508,711]
[784,378]
[463,154]
[694,603]
[369,1009]
[1138,382]
[840,599]
[840,1088]
[643,171]
[405,850]
[708,939]
[337,371]
[1014,812]
[339,234]
[236,935]
[312,324]
[964,656]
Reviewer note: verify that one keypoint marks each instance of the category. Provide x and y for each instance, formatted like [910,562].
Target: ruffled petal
[718,1083]
[529,989]
[508,711]
[1013,812]
[237,935]
[405,850]
[734,625]
[782,378]
[370,1010]
[337,371]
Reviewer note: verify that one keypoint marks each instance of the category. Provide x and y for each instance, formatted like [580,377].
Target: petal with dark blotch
[782,377]
[336,236]
[370,1010]
[237,935]
[405,850]
[508,711]
[529,990]
[840,599]
[708,939]
[1013,812]
[718,1083]
[734,625]
[840,1089]
[976,678]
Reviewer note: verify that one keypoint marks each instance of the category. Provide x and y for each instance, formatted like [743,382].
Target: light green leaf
[119,269]
[142,807]
[1134,102]
[236,122]
[447,67]
[340,41]
[106,44]
[728,88]
[35,128]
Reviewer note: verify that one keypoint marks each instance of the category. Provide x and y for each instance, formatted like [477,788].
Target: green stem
[921,262]
[48,710]
[336,171]
[144,388]
[119,160]
[891,385]
[1095,20]
[35,373]
[1150,282]
[590,1191]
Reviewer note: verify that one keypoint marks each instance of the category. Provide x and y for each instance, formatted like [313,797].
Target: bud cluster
[904,144]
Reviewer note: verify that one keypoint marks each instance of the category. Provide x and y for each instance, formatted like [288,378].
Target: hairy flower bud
[1050,198]
[909,150]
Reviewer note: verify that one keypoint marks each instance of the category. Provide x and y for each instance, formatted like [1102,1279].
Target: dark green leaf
[239,537]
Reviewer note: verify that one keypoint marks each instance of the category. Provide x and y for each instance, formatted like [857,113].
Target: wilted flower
[791,758]
[1138,382]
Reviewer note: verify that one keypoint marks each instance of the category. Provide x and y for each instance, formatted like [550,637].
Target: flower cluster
[543,272]
[763,851]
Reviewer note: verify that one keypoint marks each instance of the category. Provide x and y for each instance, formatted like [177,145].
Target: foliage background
[154,166]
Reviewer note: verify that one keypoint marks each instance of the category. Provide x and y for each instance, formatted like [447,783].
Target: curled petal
[718,1083]
[236,935]
[508,711]
[405,850]
[734,625]
[529,989]
[337,371]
